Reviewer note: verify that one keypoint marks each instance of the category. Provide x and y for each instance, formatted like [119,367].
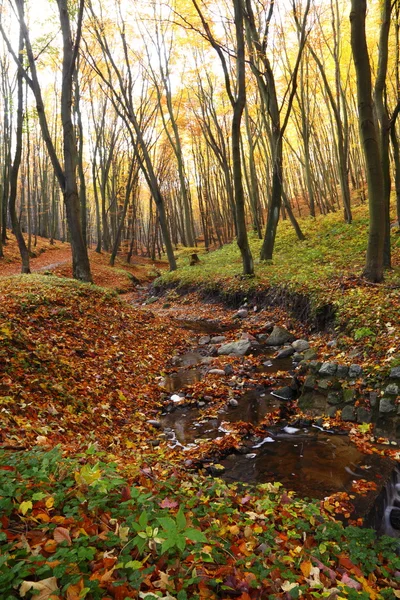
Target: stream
[307,459]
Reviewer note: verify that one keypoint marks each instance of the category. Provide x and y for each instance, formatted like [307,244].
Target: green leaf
[143,519]
[195,535]
[133,564]
[38,496]
[180,519]
[167,523]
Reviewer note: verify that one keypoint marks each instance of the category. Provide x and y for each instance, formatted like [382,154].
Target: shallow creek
[310,461]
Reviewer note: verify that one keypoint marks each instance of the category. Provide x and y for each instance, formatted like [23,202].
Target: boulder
[242,313]
[310,354]
[392,389]
[334,398]
[240,348]
[279,336]
[395,373]
[342,371]
[328,368]
[348,413]
[217,339]
[298,357]
[300,345]
[363,415]
[285,352]
[355,371]
[387,405]
[348,396]
[205,339]
[285,393]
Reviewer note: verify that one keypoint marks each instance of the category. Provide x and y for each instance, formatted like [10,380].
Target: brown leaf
[45,587]
[61,534]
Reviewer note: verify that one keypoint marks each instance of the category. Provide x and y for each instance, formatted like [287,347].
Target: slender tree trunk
[242,239]
[384,124]
[23,250]
[373,270]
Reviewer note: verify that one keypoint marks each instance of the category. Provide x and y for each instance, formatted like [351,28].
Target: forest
[200,311]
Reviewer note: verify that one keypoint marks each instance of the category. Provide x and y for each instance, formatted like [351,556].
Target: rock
[363,415]
[217,339]
[285,352]
[240,348]
[373,398]
[328,368]
[242,313]
[207,360]
[387,405]
[348,396]
[297,357]
[228,370]
[200,404]
[342,371]
[285,393]
[262,337]
[154,443]
[394,518]
[216,372]
[332,344]
[300,345]
[348,414]
[314,366]
[395,373]
[355,371]
[208,398]
[205,339]
[154,423]
[334,398]
[233,402]
[310,382]
[310,354]
[331,412]
[279,336]
[392,389]
[323,384]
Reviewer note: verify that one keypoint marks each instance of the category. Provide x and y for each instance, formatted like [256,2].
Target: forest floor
[97,503]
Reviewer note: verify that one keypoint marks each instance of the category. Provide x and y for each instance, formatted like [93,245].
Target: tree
[238,102]
[16,164]
[373,270]
[66,176]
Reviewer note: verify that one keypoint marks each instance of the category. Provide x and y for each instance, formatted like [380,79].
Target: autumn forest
[200,299]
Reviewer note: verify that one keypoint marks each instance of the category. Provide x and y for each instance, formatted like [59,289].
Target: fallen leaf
[62,535]
[45,587]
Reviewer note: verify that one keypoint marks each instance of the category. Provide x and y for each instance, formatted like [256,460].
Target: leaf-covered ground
[94,502]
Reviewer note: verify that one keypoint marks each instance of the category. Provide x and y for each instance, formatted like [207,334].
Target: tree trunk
[373,270]
[23,250]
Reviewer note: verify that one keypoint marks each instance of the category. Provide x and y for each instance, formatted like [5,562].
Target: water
[312,463]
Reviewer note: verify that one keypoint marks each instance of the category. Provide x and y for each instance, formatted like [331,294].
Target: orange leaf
[74,591]
[305,568]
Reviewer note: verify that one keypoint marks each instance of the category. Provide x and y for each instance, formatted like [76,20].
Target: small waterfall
[390,511]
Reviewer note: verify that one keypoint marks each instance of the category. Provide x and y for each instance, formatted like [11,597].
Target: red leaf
[167,503]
